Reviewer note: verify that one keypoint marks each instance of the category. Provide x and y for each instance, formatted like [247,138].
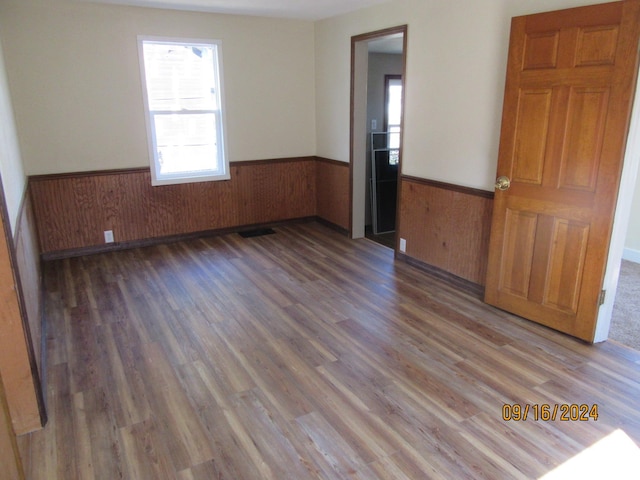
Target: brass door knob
[503,183]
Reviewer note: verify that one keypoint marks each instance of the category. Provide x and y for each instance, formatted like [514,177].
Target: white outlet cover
[403,245]
[108,236]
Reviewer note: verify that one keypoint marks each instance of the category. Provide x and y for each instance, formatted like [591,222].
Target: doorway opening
[618,317]
[384,150]
[377,82]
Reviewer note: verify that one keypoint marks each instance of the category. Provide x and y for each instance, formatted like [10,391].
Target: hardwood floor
[304,355]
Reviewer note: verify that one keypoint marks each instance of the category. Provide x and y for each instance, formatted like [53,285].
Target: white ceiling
[300,9]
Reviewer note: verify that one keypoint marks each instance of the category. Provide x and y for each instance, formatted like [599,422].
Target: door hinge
[603,295]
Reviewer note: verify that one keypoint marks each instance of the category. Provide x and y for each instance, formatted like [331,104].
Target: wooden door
[569,90]
[10,461]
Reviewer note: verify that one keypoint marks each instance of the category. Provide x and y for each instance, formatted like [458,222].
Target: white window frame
[223,170]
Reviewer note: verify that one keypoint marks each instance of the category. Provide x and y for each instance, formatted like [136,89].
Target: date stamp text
[545,412]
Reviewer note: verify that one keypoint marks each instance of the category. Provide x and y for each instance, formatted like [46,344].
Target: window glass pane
[395,103]
[184,103]
[186,142]
[394,136]
[394,117]
[180,77]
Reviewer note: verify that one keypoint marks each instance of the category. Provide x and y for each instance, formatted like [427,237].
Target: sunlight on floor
[615,457]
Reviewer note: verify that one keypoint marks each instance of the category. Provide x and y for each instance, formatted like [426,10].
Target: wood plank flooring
[304,355]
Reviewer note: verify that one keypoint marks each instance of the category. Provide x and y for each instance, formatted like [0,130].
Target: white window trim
[182,177]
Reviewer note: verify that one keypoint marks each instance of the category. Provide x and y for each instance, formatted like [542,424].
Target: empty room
[319,239]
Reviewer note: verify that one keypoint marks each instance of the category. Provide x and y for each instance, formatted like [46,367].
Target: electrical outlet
[403,245]
[108,236]
[374,124]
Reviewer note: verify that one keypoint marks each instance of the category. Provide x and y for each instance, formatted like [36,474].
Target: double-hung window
[393,116]
[184,102]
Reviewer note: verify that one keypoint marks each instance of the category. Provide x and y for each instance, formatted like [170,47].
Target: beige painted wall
[13,178]
[456,60]
[75,83]
[74,77]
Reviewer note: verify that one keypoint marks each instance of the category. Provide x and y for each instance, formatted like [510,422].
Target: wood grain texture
[28,263]
[303,355]
[332,187]
[20,384]
[73,211]
[564,153]
[447,228]
[10,461]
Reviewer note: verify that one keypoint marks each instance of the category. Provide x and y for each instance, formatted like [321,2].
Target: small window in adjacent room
[393,115]
[184,102]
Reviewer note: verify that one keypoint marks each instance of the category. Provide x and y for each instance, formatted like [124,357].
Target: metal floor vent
[258,232]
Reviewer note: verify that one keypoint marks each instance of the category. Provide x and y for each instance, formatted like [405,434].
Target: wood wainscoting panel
[28,264]
[332,188]
[73,210]
[446,226]
[276,190]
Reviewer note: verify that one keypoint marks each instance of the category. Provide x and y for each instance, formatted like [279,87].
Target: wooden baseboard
[116,246]
[460,283]
[333,226]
